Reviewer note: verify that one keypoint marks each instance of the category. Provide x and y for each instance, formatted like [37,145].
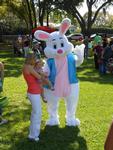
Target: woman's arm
[33,72]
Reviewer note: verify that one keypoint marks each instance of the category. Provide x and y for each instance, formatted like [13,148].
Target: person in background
[15,50]
[98,50]
[18,46]
[107,54]
[33,93]
[105,41]
[109,139]
[26,45]
[2,121]
[97,39]
[36,48]
[90,46]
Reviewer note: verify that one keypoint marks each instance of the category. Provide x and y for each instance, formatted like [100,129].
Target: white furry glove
[79,54]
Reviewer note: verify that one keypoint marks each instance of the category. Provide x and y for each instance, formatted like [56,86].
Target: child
[3,100]
[44,79]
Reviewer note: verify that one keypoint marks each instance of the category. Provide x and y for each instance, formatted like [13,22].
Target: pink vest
[62,86]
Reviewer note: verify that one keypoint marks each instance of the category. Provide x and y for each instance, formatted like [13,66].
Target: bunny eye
[62,44]
[54,46]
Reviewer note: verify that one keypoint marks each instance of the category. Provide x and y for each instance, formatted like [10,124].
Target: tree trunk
[30,15]
[34,13]
[47,17]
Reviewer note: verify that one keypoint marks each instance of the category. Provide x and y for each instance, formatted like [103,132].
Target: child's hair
[40,61]
[30,58]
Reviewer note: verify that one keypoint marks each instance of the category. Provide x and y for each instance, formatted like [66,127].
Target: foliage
[96,96]
[102,20]
[26,11]
[11,21]
[22,11]
[71,8]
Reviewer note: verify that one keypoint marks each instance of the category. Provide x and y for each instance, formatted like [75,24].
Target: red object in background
[44,28]
[76,37]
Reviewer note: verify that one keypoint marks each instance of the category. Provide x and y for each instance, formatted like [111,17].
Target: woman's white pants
[35,115]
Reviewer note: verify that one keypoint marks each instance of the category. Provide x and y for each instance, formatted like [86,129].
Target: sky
[83,9]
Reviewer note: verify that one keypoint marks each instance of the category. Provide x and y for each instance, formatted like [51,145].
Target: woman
[33,92]
[26,45]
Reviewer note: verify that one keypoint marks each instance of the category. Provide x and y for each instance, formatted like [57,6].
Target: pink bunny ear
[65,25]
[41,35]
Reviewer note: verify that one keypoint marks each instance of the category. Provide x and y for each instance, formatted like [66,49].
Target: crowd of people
[102,49]
[100,46]
[22,45]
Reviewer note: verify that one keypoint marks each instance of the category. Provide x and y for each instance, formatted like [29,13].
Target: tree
[103,20]
[44,9]
[71,7]
[24,9]
[10,20]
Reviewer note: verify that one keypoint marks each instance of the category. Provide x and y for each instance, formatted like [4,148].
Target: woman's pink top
[32,83]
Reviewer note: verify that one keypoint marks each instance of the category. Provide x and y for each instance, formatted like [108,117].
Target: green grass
[95,109]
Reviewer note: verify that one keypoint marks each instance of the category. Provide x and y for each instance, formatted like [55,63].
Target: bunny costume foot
[73,122]
[61,69]
[52,122]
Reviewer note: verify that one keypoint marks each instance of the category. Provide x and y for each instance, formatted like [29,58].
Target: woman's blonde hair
[30,59]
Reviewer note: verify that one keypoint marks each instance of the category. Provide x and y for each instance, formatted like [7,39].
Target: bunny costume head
[57,43]
[61,69]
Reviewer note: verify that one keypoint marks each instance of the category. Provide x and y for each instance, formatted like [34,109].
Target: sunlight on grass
[95,109]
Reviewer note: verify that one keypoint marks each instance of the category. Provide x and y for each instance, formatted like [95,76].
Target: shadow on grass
[87,72]
[53,138]
[13,66]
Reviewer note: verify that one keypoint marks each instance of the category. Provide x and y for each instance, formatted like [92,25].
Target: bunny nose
[60,51]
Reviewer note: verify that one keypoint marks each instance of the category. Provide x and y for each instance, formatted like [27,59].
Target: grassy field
[95,109]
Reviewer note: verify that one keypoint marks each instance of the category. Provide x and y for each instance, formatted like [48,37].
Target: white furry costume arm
[79,54]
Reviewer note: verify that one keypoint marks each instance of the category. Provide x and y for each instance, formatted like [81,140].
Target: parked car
[76,38]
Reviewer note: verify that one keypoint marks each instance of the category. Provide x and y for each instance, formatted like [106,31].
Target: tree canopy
[72,8]
[31,12]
